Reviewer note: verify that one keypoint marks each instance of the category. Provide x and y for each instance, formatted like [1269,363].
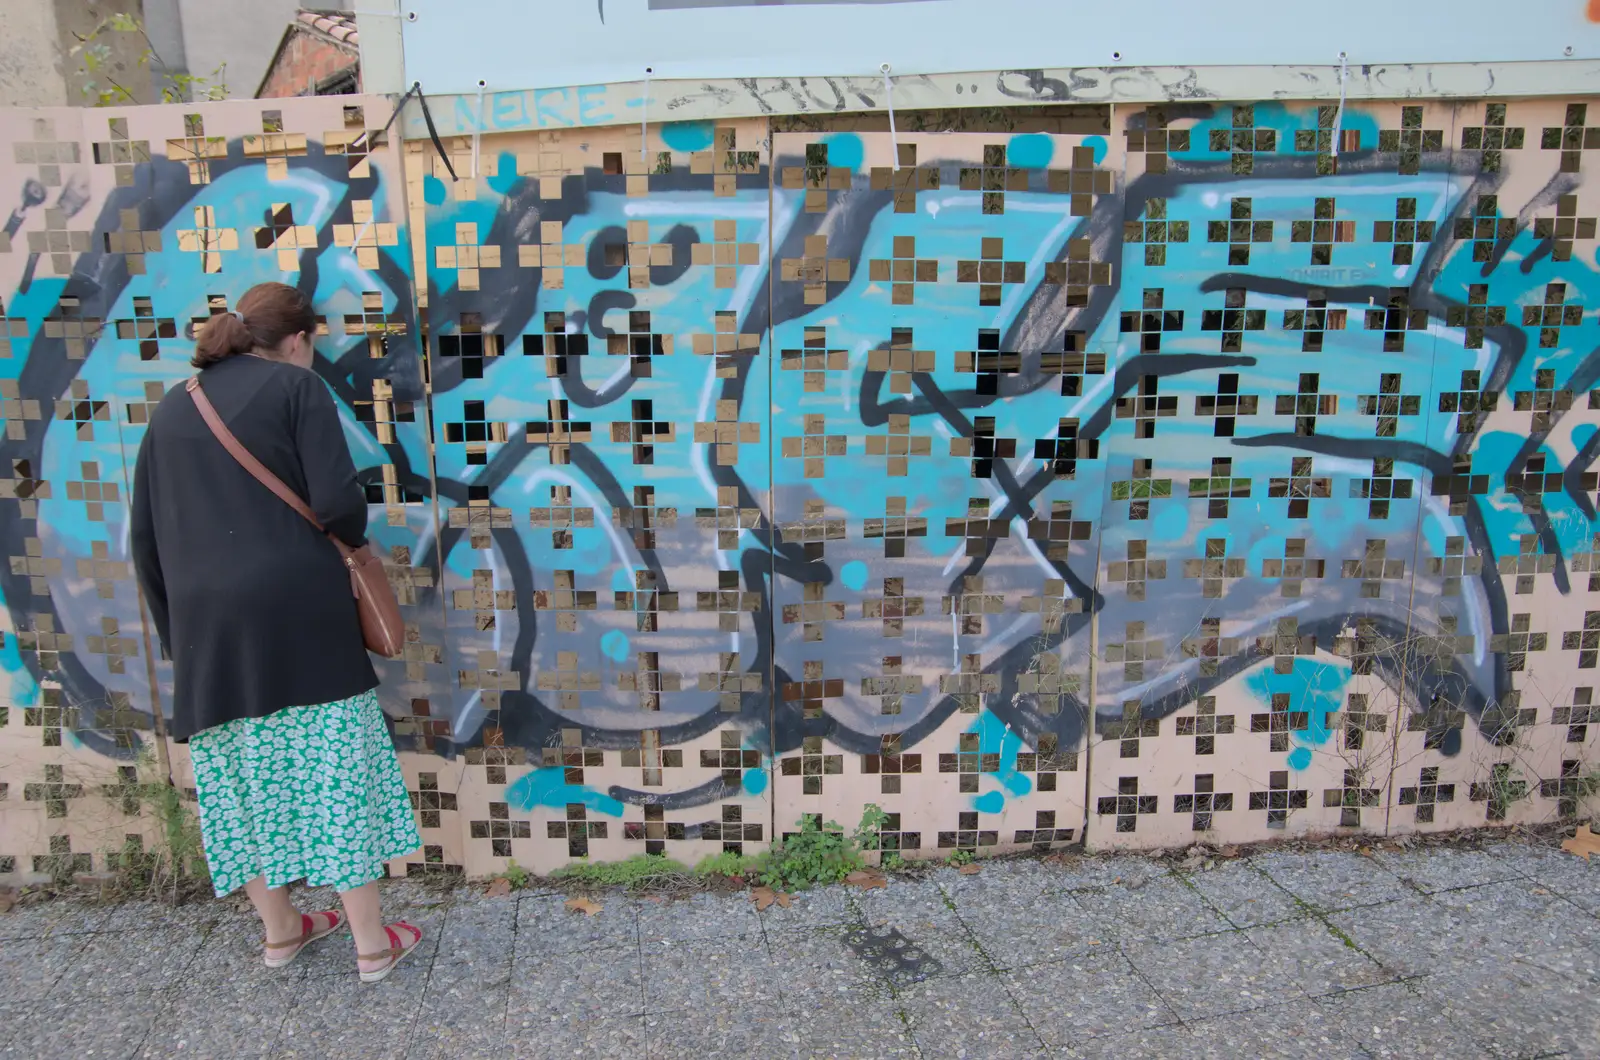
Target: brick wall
[305,60]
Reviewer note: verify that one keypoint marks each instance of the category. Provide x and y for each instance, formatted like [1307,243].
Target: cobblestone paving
[1452,952]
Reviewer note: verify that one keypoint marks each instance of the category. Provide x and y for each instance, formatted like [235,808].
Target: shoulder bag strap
[208,413]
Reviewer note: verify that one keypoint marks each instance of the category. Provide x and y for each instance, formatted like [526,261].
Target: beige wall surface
[1128,475]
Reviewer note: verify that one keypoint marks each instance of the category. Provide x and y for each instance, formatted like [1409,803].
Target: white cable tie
[644,115]
[1338,118]
[888,99]
[477,128]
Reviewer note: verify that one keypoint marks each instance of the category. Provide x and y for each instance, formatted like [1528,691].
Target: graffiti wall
[127,230]
[1125,476]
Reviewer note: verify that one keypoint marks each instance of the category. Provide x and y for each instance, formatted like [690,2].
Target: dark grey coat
[252,604]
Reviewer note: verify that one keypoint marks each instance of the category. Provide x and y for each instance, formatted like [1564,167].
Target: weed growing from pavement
[636,873]
[176,866]
[820,852]
[727,864]
[517,876]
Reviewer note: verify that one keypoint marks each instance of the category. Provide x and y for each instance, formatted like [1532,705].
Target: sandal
[395,953]
[308,934]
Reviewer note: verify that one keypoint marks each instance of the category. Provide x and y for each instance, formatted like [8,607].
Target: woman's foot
[403,938]
[313,926]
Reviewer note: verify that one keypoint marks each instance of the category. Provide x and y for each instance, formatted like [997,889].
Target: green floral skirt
[312,793]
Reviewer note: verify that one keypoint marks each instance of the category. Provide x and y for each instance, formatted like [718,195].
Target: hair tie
[237,315]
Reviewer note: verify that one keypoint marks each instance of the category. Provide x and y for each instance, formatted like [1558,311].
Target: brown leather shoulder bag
[382,628]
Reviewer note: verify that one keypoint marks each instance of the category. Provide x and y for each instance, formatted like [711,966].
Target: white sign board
[453,46]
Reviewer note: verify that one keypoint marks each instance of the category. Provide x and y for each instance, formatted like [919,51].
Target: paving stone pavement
[1491,951]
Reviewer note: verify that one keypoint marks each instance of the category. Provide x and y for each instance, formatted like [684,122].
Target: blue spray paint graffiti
[735,455]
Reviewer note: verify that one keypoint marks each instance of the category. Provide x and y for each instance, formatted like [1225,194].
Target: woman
[273,688]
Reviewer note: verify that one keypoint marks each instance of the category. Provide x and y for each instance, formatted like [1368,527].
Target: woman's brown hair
[267,314]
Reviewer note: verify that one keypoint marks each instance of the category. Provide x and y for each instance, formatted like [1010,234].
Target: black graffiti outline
[160,189]
[776,554]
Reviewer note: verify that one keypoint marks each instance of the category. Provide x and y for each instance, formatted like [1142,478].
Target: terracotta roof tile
[340,25]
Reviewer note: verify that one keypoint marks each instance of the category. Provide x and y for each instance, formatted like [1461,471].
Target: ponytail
[224,335]
[267,314]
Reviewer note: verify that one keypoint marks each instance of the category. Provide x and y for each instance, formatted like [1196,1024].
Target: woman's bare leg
[279,917]
[366,922]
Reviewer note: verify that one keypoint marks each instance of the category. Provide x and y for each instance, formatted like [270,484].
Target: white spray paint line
[1021,291]
[1268,300]
[615,379]
[952,202]
[603,391]
[847,392]
[321,213]
[955,557]
[1271,617]
[348,265]
[323,210]
[1298,190]
[955,640]
[720,210]
[700,458]
[1346,465]
[974,200]
[467,714]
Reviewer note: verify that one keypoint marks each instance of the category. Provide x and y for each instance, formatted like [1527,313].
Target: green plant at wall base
[176,863]
[1504,787]
[729,864]
[960,857]
[180,830]
[872,821]
[94,53]
[820,852]
[1591,786]
[515,875]
[637,871]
